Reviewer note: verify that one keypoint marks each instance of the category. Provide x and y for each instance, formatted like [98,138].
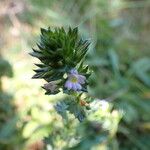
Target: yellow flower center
[74,79]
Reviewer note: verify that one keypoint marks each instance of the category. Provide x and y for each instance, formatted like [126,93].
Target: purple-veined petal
[81,79]
[79,87]
[73,71]
[68,85]
[74,87]
[72,76]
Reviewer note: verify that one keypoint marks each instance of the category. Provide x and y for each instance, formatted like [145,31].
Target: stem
[0,85]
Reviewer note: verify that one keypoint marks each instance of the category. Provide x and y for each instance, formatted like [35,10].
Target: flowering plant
[62,65]
[62,56]
[61,53]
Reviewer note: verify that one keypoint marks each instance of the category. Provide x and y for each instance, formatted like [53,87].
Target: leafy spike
[59,51]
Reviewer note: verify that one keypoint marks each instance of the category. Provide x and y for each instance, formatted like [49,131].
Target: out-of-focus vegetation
[119,55]
[9,133]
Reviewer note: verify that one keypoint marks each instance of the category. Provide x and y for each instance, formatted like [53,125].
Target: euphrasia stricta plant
[61,53]
[62,65]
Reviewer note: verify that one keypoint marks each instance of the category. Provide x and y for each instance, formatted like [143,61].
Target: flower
[51,86]
[75,80]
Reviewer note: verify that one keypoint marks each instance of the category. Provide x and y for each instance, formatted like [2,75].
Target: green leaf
[61,108]
[141,68]
[114,61]
[8,128]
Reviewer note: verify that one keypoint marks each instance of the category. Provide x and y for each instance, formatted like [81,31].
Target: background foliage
[119,56]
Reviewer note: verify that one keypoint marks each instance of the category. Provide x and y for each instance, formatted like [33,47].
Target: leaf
[6,67]
[61,108]
[114,60]
[141,68]
[8,128]
[72,106]
[77,110]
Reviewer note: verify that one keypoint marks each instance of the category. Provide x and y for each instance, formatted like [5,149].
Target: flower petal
[73,71]
[68,85]
[81,79]
[74,86]
[79,87]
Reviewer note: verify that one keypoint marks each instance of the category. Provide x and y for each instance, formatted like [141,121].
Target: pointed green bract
[59,51]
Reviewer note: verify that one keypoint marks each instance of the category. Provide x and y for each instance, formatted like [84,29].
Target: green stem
[0,85]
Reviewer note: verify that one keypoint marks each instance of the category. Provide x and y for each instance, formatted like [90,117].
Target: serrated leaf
[61,108]
[77,110]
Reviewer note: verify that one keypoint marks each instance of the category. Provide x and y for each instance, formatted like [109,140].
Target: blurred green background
[119,31]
